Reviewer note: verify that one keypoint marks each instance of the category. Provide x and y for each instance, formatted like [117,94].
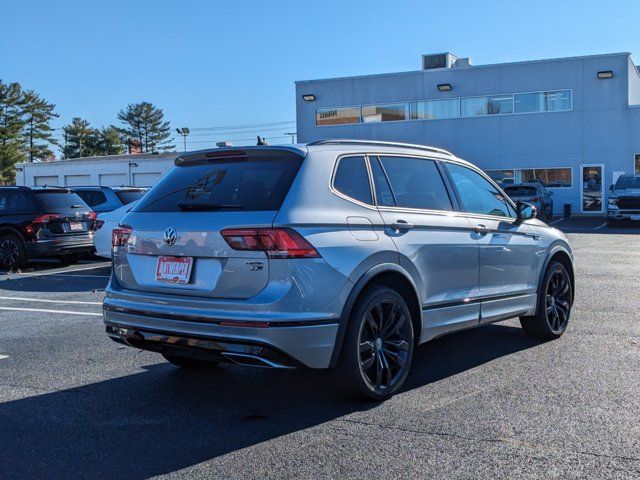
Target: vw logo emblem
[170,236]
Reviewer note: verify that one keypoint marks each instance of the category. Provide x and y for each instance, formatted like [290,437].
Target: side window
[4,201]
[16,201]
[92,197]
[384,196]
[352,179]
[477,194]
[416,183]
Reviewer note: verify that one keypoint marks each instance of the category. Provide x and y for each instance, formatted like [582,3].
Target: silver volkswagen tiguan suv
[338,253]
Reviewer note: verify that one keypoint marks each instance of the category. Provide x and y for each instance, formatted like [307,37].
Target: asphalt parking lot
[485,403]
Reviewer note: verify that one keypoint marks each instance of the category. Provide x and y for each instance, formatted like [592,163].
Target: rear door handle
[402,225]
[482,229]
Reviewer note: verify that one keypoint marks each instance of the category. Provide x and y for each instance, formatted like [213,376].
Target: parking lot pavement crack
[503,440]
[27,387]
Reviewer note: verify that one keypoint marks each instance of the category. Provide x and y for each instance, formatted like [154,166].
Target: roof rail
[381,144]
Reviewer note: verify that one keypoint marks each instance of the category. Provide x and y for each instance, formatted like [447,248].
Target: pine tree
[80,139]
[11,124]
[145,123]
[37,132]
[109,142]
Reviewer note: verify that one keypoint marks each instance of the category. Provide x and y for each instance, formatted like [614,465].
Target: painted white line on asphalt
[81,275]
[60,272]
[74,302]
[601,226]
[44,310]
[2,357]
[556,221]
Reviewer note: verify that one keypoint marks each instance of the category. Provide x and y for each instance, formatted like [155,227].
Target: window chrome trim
[408,109]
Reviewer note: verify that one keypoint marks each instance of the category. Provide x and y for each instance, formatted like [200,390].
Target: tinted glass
[477,194]
[352,179]
[384,196]
[416,183]
[258,183]
[384,113]
[337,116]
[92,197]
[435,109]
[56,201]
[549,177]
[16,201]
[627,181]
[498,104]
[502,177]
[520,190]
[543,101]
[129,196]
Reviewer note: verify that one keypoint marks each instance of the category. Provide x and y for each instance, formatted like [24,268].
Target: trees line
[26,134]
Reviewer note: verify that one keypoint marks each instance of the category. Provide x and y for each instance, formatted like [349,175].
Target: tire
[374,366]
[555,300]
[190,363]
[12,252]
[71,258]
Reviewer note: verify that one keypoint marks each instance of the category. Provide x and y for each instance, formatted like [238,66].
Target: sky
[219,63]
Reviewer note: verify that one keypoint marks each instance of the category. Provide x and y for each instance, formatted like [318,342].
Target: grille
[629,202]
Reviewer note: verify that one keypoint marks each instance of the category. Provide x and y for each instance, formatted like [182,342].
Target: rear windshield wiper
[204,206]
[77,206]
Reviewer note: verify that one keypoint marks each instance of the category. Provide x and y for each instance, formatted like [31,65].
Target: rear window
[54,201]
[92,198]
[128,196]
[243,183]
[520,191]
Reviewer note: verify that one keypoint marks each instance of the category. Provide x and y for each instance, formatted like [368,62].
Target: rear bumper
[60,246]
[617,214]
[279,344]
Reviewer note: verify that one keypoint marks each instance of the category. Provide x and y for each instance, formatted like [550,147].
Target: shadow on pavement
[164,419]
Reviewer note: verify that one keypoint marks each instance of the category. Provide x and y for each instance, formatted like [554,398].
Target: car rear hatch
[64,214]
[175,244]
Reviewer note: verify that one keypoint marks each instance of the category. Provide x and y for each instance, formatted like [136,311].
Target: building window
[384,113]
[495,105]
[637,163]
[543,101]
[435,109]
[502,177]
[337,116]
[549,177]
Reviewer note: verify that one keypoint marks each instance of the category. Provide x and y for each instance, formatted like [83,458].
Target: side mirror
[525,211]
[611,188]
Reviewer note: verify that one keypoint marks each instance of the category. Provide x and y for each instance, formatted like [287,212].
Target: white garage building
[140,170]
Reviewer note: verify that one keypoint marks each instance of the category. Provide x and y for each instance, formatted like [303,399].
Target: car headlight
[613,201]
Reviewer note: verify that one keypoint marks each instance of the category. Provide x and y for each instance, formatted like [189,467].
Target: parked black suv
[43,222]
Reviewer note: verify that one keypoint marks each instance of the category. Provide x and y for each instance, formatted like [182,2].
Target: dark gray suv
[339,253]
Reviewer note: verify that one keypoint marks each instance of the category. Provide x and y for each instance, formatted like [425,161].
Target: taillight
[46,217]
[120,236]
[40,220]
[275,242]
[535,199]
[92,216]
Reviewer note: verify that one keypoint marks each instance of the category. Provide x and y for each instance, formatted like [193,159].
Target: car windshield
[57,200]
[128,196]
[259,183]
[627,181]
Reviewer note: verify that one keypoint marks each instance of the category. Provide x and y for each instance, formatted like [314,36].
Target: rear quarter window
[257,183]
[352,179]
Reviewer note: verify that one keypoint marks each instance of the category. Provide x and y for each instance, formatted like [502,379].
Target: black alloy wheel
[11,252]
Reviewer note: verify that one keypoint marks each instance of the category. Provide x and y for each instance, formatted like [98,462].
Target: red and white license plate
[174,269]
[75,226]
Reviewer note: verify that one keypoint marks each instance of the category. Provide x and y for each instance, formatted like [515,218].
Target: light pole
[293,136]
[184,131]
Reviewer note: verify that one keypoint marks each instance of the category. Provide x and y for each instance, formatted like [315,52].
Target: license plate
[174,269]
[635,217]
[75,226]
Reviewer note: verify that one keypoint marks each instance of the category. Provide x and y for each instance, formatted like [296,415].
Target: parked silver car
[339,253]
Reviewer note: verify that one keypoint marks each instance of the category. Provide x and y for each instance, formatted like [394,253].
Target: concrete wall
[601,128]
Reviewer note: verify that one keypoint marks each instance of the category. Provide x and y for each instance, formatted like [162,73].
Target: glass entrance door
[592,193]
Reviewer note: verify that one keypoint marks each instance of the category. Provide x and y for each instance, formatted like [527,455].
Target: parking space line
[601,226]
[44,310]
[556,221]
[60,272]
[42,300]
[2,357]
